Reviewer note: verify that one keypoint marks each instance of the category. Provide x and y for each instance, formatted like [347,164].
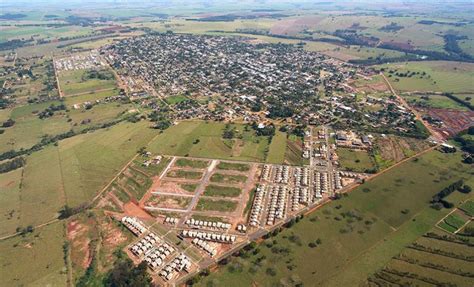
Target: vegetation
[216,205]
[12,164]
[224,191]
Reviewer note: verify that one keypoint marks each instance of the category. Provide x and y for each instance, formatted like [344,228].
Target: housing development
[236,143]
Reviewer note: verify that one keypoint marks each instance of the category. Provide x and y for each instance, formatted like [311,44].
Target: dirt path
[89,92]
[60,92]
[433,132]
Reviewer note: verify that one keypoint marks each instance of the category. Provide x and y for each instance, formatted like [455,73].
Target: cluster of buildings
[180,263]
[241,73]
[207,224]
[160,256]
[209,236]
[91,60]
[257,207]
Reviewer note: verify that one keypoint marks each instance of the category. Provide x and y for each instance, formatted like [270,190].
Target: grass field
[434,101]
[186,174]
[228,178]
[276,153]
[90,160]
[182,139]
[205,204]
[222,191]
[233,166]
[173,100]
[352,160]
[72,83]
[184,162]
[440,76]
[34,260]
[29,129]
[10,201]
[360,232]
[468,208]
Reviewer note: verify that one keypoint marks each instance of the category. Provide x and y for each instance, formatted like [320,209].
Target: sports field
[360,232]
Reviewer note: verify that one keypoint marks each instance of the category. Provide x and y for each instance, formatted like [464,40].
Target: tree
[124,273]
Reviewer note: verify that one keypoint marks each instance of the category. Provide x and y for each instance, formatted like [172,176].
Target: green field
[186,174]
[184,162]
[73,172]
[205,204]
[228,178]
[222,191]
[434,101]
[276,154]
[189,187]
[440,76]
[10,201]
[435,258]
[360,232]
[173,100]
[468,208]
[89,161]
[73,83]
[233,166]
[34,260]
[354,160]
[182,139]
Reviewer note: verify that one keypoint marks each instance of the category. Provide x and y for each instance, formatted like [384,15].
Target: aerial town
[250,81]
[287,143]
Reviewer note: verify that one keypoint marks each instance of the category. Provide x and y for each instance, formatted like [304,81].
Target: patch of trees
[4,103]
[229,132]
[280,111]
[451,46]
[465,103]
[429,55]
[161,120]
[125,273]
[54,139]
[466,140]
[392,27]
[8,123]
[25,230]
[438,202]
[12,164]
[12,16]
[268,130]
[97,74]
[14,44]
[49,111]
[431,22]
[67,211]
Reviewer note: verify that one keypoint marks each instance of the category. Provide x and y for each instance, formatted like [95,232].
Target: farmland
[431,76]
[45,246]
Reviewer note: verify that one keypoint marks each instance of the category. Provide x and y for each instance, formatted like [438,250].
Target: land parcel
[360,232]
[202,139]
